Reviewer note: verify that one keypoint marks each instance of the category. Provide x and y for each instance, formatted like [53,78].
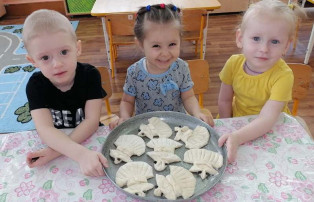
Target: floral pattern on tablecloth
[278,166]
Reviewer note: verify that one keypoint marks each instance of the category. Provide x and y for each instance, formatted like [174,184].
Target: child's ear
[239,37]
[30,59]
[78,48]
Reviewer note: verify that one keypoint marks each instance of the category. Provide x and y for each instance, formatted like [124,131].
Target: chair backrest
[302,78]
[105,81]
[199,70]
[192,20]
[121,24]
[193,24]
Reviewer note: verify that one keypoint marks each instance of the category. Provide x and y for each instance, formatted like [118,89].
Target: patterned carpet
[15,71]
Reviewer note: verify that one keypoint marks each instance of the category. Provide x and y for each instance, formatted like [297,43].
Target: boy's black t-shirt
[67,108]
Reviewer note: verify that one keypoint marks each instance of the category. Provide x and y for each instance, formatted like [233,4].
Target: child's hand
[206,118]
[92,162]
[41,157]
[117,122]
[232,145]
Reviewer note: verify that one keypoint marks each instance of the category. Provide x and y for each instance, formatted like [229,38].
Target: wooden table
[102,8]
[279,166]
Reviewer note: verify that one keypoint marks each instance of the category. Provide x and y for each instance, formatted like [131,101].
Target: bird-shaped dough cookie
[193,139]
[162,159]
[134,175]
[155,127]
[204,161]
[127,145]
[180,182]
[163,145]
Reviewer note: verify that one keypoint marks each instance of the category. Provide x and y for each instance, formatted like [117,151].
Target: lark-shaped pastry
[204,161]
[127,145]
[163,145]
[193,139]
[155,127]
[139,189]
[134,175]
[180,182]
[162,159]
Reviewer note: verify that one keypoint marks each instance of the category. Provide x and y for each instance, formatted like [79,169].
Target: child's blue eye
[64,52]
[256,38]
[274,41]
[45,57]
[172,44]
[155,46]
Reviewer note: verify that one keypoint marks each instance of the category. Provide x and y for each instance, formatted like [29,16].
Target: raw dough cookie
[127,145]
[180,182]
[134,175]
[162,159]
[163,145]
[204,161]
[193,139]
[155,127]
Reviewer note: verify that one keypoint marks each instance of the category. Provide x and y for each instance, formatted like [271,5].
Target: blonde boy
[64,94]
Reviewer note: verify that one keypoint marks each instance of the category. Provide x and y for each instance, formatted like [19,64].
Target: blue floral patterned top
[158,92]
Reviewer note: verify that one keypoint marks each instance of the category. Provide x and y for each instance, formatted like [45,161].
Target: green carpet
[80,6]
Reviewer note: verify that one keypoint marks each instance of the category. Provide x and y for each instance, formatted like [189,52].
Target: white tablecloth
[278,166]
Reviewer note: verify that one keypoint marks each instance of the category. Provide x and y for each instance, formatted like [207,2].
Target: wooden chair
[120,32]
[194,22]
[302,78]
[199,70]
[106,85]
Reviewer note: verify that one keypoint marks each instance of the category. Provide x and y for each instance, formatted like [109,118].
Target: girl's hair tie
[148,8]
[174,8]
[162,5]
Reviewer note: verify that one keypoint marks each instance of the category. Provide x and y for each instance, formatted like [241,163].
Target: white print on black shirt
[65,118]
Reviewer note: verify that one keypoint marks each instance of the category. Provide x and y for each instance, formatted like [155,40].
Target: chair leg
[111,48]
[108,107]
[112,63]
[200,100]
[201,36]
[295,107]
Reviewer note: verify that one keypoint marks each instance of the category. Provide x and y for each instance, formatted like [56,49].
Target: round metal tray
[173,119]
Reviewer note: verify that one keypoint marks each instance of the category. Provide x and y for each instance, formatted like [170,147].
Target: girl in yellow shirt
[258,81]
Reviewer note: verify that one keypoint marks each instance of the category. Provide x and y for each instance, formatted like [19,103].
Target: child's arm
[258,127]
[192,107]
[225,101]
[90,161]
[126,110]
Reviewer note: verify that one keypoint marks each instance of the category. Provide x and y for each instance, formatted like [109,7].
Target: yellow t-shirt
[252,92]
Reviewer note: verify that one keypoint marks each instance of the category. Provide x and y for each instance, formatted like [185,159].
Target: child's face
[161,46]
[56,56]
[264,41]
